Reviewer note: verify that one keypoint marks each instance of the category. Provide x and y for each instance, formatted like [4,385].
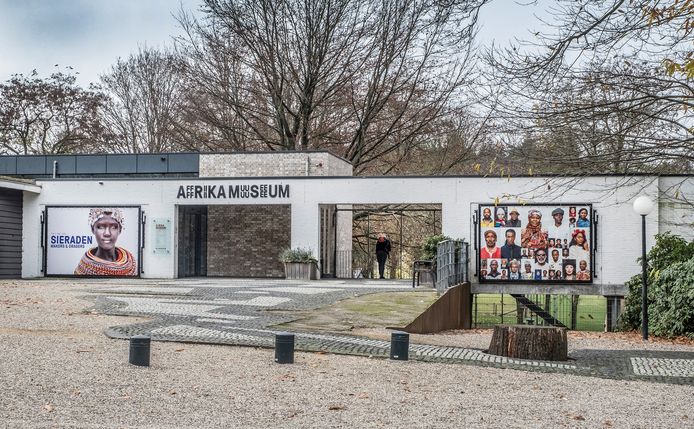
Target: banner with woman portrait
[101,241]
[538,243]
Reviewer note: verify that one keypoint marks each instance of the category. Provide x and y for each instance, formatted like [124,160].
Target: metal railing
[451,264]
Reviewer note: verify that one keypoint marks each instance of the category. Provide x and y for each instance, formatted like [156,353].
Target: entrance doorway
[406,225]
[192,241]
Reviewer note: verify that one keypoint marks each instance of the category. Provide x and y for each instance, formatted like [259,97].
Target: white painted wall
[618,235]
[676,208]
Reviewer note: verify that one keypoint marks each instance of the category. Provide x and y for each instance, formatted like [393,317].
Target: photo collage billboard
[535,243]
[99,241]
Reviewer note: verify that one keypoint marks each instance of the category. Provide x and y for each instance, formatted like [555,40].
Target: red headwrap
[578,231]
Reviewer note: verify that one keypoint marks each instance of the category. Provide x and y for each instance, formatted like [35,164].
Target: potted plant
[430,246]
[299,264]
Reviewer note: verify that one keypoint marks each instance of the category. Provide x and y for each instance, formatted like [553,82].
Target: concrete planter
[301,270]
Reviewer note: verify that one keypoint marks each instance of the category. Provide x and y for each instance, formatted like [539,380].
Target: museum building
[231,214]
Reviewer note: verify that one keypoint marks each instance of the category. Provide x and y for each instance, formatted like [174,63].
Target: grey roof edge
[255,152]
[198,178]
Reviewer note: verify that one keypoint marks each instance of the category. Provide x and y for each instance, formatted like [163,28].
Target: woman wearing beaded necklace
[106,259]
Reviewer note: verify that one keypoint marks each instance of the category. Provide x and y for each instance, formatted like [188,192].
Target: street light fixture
[643,205]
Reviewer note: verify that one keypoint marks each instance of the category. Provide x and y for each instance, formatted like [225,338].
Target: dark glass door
[192,241]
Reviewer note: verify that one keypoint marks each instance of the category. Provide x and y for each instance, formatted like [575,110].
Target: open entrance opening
[349,234]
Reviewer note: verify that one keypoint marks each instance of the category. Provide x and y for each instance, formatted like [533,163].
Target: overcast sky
[89,35]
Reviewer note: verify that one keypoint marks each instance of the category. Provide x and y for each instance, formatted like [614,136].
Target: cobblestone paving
[150,290]
[663,367]
[234,311]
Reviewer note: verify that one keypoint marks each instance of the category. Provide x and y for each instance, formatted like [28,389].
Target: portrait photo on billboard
[535,243]
[97,241]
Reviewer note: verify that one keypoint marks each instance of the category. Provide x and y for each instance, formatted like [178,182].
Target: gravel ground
[59,370]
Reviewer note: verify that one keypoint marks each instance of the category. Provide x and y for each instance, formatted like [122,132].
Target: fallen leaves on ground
[632,337]
[336,407]
[287,377]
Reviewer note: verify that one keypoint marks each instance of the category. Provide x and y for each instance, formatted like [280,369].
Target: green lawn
[590,314]
[377,310]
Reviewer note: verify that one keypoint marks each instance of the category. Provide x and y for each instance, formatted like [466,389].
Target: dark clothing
[382,251]
[383,246]
[515,223]
[510,252]
[381,258]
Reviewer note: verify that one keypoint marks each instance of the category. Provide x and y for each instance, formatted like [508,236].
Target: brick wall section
[338,167]
[273,164]
[245,240]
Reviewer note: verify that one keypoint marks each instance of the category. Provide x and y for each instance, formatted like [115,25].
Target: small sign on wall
[162,236]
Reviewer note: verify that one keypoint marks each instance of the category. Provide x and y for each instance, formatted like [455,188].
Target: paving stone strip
[663,367]
[225,312]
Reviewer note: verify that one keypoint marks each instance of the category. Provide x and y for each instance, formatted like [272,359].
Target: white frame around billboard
[44,241]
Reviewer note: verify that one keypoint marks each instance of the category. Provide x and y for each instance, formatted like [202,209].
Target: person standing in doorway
[382,251]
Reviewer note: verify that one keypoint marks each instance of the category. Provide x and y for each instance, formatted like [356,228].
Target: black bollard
[399,345]
[139,350]
[284,347]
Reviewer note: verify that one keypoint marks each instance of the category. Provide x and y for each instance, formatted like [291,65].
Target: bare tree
[145,102]
[44,116]
[612,79]
[221,110]
[368,80]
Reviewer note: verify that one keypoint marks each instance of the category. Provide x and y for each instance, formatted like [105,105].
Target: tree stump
[529,342]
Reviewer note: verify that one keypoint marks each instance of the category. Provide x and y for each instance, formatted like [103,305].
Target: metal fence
[451,264]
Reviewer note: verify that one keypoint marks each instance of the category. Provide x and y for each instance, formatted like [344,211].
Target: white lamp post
[643,205]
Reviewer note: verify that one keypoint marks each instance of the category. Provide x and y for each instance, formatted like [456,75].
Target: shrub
[298,255]
[672,312]
[429,245]
[670,284]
